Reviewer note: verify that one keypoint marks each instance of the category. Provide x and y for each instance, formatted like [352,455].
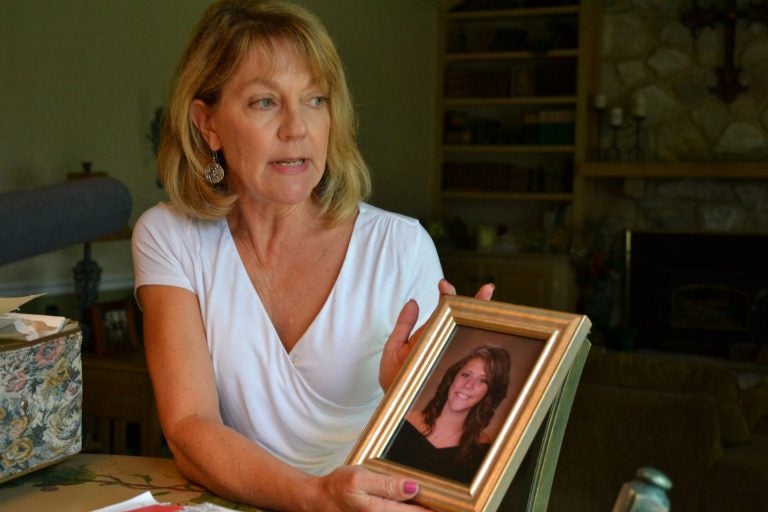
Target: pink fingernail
[410,487]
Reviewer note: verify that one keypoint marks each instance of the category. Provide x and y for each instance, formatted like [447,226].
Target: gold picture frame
[544,345]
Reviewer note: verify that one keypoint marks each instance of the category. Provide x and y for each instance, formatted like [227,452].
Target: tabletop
[86,482]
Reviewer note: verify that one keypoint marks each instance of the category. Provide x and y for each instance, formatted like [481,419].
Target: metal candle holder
[599,153]
[637,153]
[617,120]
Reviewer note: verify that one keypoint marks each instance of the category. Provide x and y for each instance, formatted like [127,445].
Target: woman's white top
[308,406]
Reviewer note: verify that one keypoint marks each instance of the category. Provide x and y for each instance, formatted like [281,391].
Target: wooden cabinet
[511,117]
[545,281]
[117,391]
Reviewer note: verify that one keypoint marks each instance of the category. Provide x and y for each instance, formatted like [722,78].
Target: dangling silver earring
[214,173]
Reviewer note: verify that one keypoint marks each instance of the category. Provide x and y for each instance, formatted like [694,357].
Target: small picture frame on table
[522,357]
[113,327]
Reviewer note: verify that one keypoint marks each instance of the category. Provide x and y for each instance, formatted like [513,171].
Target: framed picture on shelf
[469,400]
[113,327]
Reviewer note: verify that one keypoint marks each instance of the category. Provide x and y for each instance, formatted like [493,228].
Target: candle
[599,102]
[617,116]
[486,238]
[639,111]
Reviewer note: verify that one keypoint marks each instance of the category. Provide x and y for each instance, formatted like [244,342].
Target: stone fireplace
[701,293]
[695,197]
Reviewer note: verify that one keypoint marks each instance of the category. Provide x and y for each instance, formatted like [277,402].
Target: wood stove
[699,293]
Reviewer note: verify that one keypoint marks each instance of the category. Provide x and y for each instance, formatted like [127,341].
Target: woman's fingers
[356,488]
[394,488]
[396,348]
[484,293]
[446,288]
[395,491]
[398,345]
[406,320]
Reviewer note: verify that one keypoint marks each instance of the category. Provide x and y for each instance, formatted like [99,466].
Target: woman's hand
[354,488]
[400,342]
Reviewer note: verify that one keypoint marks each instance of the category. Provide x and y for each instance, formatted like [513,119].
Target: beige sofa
[689,419]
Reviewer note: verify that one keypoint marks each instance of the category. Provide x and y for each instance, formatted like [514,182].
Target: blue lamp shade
[53,217]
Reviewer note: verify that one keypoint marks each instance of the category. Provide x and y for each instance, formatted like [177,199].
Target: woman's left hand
[401,340]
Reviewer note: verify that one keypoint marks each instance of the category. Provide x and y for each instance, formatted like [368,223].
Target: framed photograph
[471,397]
[113,327]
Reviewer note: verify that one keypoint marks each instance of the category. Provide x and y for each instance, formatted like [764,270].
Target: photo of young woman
[451,425]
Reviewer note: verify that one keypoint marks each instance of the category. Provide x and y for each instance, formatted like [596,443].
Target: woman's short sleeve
[162,248]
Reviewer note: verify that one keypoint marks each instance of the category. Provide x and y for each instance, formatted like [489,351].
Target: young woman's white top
[308,406]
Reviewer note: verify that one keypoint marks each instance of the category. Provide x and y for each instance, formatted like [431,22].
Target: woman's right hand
[401,339]
[354,488]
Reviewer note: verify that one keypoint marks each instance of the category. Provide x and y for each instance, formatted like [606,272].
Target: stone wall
[688,204]
[647,51]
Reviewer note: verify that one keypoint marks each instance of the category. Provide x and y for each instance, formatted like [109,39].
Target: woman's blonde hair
[228,30]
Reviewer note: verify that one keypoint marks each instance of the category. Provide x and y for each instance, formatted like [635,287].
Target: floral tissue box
[41,391]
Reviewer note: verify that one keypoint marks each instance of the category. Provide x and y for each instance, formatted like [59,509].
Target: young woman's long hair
[497,368]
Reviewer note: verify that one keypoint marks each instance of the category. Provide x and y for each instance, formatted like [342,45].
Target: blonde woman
[277,304]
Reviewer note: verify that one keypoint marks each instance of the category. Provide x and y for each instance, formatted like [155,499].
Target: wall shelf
[529,149]
[517,55]
[722,170]
[513,13]
[509,196]
[522,101]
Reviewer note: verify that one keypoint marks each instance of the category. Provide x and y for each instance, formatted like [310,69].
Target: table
[116,391]
[89,481]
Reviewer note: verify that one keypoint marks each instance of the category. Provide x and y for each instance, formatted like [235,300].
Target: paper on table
[142,500]
[145,502]
[24,326]
[8,304]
